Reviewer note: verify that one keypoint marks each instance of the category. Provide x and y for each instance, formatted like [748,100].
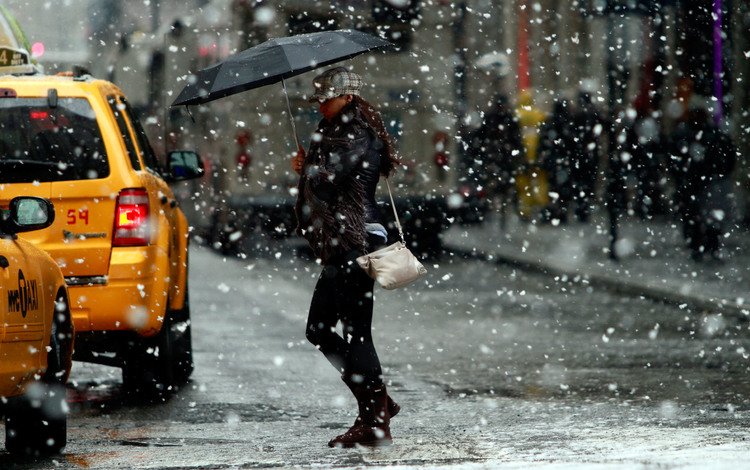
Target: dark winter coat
[703,158]
[622,146]
[336,191]
[499,141]
[586,153]
[556,149]
[701,154]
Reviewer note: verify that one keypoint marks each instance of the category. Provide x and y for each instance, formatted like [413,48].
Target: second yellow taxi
[36,334]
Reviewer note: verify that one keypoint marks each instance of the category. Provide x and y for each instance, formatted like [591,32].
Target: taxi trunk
[80,239]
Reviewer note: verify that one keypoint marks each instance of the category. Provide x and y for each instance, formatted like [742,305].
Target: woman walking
[338,216]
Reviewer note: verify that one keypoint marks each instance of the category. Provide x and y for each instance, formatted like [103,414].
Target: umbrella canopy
[275,60]
[494,61]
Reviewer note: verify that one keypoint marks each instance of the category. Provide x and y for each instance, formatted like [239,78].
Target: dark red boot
[373,426]
[393,407]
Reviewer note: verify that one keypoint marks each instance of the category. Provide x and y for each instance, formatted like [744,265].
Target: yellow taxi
[119,236]
[36,335]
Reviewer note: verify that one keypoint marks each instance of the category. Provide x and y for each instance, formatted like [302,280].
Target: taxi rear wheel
[182,351]
[36,424]
[60,352]
[147,370]
[155,367]
[182,342]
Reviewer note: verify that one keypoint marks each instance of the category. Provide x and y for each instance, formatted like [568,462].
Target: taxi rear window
[40,143]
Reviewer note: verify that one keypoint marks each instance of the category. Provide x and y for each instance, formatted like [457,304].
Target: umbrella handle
[289,108]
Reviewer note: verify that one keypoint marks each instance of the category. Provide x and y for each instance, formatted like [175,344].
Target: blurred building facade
[622,52]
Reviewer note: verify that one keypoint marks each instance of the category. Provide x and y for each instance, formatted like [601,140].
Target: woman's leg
[362,371]
[355,304]
[323,317]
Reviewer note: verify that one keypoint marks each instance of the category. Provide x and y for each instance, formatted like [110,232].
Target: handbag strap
[395,214]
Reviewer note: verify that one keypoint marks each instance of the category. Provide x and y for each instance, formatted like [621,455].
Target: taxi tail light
[131,218]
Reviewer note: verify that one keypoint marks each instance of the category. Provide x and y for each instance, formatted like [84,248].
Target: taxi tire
[182,342]
[154,378]
[60,354]
[37,423]
[182,352]
[147,371]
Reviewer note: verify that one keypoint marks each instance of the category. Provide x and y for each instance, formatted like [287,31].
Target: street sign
[13,57]
[14,48]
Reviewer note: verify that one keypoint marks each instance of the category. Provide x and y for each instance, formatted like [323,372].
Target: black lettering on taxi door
[25,298]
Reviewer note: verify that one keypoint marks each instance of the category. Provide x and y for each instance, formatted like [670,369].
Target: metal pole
[718,58]
[660,53]
[611,67]
[163,87]
[459,70]
[155,16]
[612,210]
[289,108]
[524,75]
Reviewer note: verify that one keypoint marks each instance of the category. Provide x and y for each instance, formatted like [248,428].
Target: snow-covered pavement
[653,259]
[494,368]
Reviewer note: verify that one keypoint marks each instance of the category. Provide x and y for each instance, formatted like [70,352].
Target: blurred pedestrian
[498,139]
[619,165]
[556,147]
[473,177]
[472,155]
[588,125]
[705,158]
[441,157]
[648,164]
[338,215]
[244,157]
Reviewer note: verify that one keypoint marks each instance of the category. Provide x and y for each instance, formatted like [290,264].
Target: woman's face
[330,108]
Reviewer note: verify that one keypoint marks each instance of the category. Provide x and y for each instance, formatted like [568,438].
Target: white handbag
[393,266]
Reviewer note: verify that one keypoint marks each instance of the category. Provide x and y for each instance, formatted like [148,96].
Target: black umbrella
[274,61]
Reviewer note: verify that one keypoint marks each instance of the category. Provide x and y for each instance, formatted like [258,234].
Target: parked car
[36,346]
[469,205]
[120,238]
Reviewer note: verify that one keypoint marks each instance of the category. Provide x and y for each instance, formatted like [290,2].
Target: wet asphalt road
[493,367]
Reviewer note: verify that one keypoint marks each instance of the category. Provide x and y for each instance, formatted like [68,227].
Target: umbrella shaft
[291,116]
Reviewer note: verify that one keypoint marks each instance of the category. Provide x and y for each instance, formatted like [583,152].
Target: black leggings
[344,293]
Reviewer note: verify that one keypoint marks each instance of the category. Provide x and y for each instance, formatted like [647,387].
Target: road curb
[690,303]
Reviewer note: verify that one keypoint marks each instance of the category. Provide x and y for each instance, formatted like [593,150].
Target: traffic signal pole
[718,58]
[459,70]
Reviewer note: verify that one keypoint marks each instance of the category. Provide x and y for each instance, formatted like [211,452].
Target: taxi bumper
[133,296]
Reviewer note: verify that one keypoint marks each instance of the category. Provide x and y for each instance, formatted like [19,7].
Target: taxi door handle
[4,262]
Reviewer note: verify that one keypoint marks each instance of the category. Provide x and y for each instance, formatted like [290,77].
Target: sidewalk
[653,260]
